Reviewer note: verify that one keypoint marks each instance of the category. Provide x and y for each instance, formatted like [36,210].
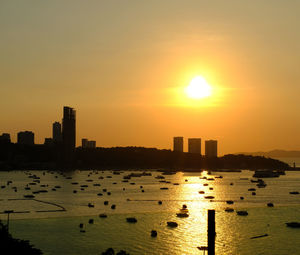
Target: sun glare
[198,88]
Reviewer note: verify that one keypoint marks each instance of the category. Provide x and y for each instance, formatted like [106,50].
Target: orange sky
[123,66]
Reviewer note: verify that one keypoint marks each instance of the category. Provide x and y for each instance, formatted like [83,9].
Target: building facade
[178,143]
[194,145]
[26,137]
[211,148]
[5,138]
[56,132]
[69,134]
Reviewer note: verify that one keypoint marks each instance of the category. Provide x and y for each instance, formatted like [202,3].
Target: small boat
[164,188]
[228,209]
[29,196]
[113,207]
[293,224]
[209,197]
[254,237]
[90,205]
[153,233]
[102,215]
[201,192]
[105,202]
[182,215]
[230,202]
[91,221]
[131,220]
[252,189]
[172,224]
[242,213]
[261,185]
[270,204]
[294,192]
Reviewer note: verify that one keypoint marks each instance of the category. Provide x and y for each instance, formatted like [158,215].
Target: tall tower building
[178,144]
[26,137]
[56,132]
[211,148]
[194,145]
[69,134]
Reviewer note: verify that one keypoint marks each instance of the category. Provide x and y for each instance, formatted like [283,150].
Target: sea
[50,220]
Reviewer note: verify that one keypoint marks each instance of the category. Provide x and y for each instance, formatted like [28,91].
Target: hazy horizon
[123,66]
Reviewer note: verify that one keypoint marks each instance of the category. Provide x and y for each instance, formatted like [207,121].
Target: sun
[198,88]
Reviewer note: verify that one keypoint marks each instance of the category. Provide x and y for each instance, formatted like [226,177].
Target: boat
[102,215]
[29,196]
[131,220]
[228,209]
[270,204]
[261,185]
[294,192]
[230,202]
[201,192]
[153,233]
[172,224]
[242,213]
[182,215]
[293,224]
[209,197]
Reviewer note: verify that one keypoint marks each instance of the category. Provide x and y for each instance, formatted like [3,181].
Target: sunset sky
[124,66]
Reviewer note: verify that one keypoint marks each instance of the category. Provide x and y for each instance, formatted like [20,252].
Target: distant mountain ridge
[274,153]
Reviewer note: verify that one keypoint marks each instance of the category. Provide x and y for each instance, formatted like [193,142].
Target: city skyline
[126,67]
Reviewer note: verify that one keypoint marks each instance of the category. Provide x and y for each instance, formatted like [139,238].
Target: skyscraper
[178,144]
[69,134]
[26,137]
[84,143]
[194,145]
[211,148]
[56,132]
[5,138]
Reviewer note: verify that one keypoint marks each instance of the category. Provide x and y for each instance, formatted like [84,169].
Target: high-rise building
[26,137]
[56,132]
[92,144]
[211,148]
[84,143]
[69,134]
[178,144]
[48,141]
[5,138]
[194,145]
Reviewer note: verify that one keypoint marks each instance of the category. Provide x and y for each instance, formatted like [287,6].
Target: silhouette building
[26,137]
[85,143]
[92,144]
[48,141]
[5,138]
[178,144]
[211,148]
[194,145]
[69,135]
[56,132]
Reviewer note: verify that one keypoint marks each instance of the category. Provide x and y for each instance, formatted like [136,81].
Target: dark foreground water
[59,232]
